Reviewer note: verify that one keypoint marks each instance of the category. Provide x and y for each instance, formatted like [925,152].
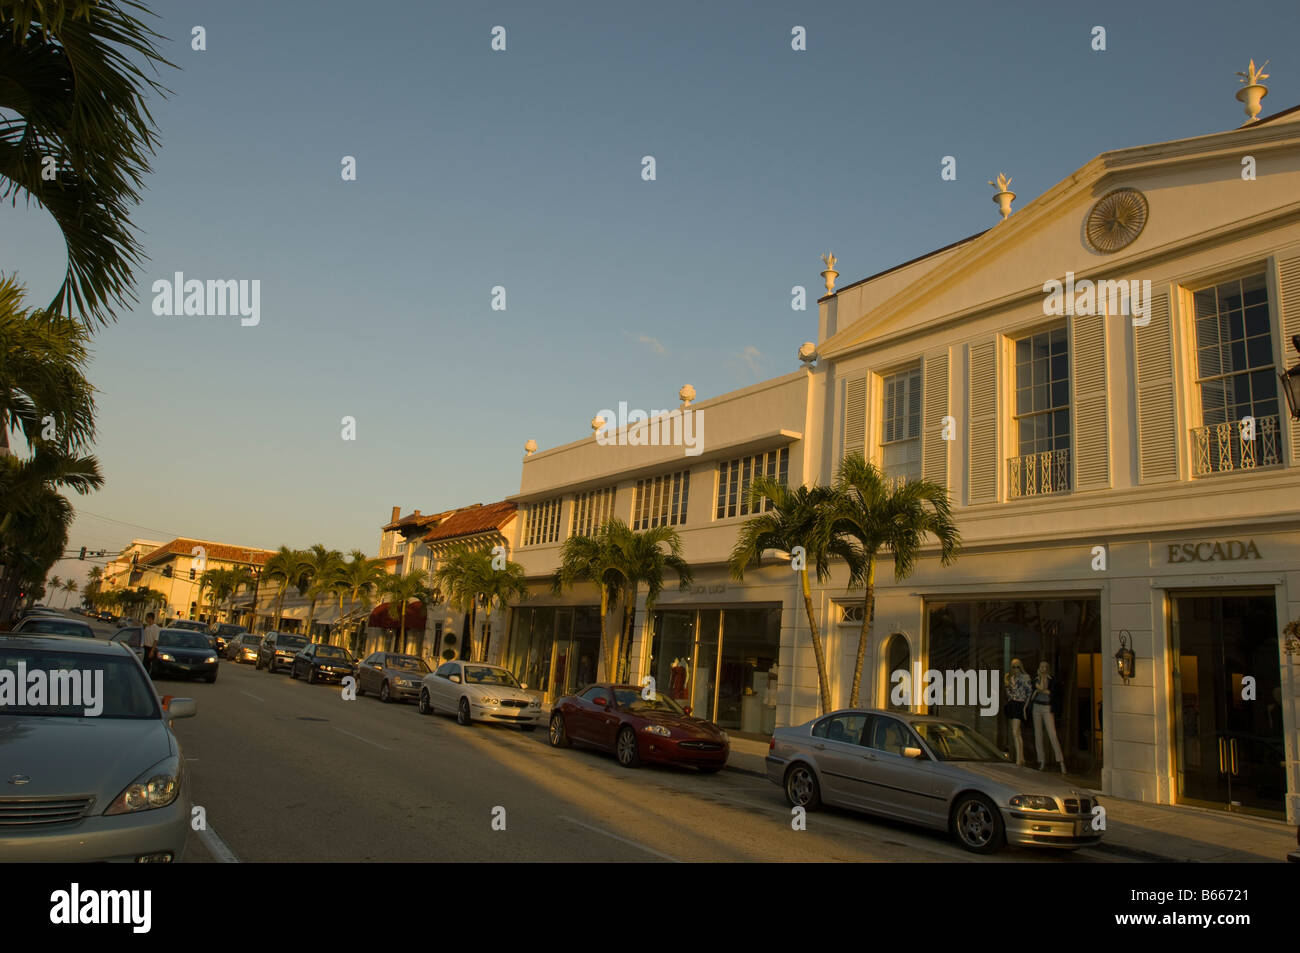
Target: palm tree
[325,565]
[32,540]
[873,515]
[597,560]
[71,89]
[646,557]
[289,567]
[461,578]
[361,576]
[41,377]
[55,583]
[69,587]
[788,518]
[498,590]
[403,590]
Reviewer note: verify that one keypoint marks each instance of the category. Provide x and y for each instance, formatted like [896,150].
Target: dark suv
[225,633]
[278,648]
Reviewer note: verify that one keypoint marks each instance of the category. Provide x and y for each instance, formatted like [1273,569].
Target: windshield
[250,640]
[83,686]
[407,663]
[290,642]
[58,627]
[183,640]
[225,631]
[951,741]
[629,699]
[485,675]
[331,651]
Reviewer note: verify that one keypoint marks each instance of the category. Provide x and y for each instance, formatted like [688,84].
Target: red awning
[415,617]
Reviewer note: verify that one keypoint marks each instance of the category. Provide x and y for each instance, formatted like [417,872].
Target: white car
[475,691]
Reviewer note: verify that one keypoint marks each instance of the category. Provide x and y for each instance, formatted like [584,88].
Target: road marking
[631,843]
[217,847]
[251,695]
[366,740]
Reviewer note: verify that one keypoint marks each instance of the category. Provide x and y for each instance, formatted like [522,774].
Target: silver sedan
[476,691]
[94,774]
[930,771]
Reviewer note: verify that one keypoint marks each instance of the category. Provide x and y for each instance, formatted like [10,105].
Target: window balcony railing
[1039,474]
[1226,447]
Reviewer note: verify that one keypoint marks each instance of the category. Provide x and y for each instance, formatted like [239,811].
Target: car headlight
[535,703]
[165,657]
[489,701]
[657,730]
[725,737]
[155,788]
[212,659]
[1034,802]
[401,683]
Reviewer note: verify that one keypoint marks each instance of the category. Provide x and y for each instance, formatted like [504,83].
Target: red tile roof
[182,546]
[426,519]
[473,520]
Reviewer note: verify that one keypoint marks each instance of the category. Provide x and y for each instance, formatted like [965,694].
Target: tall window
[542,522]
[591,510]
[661,500]
[900,437]
[735,477]
[1042,416]
[1235,375]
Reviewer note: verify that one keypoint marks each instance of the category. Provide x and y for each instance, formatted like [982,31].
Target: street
[291,772]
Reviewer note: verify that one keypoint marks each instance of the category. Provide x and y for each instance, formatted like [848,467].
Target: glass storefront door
[1227,686]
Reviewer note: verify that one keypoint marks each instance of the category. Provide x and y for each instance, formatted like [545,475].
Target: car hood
[186,654]
[1017,780]
[500,692]
[71,756]
[687,724]
[333,662]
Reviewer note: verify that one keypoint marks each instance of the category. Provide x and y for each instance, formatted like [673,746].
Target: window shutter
[982,433]
[855,416]
[1157,416]
[934,394]
[1289,309]
[1091,448]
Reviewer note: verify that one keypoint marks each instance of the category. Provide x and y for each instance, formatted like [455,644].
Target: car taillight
[771,745]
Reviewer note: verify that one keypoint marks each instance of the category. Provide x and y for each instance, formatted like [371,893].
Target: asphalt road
[292,772]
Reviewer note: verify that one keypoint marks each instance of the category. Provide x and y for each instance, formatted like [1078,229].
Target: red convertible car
[638,727]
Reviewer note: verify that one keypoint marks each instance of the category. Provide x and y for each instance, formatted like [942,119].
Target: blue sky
[523,169]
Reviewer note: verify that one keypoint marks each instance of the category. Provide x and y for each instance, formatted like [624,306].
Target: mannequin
[1018,691]
[1043,718]
[678,676]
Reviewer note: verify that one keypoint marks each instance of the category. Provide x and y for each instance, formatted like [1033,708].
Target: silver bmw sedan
[931,771]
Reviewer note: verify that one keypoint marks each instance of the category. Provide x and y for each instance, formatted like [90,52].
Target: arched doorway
[895,655]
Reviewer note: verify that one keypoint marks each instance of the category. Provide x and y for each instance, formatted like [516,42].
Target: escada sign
[1206,552]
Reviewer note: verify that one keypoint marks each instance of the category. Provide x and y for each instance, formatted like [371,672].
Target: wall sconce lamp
[1124,657]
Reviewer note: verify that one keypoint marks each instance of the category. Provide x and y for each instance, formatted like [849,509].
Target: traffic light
[83,552]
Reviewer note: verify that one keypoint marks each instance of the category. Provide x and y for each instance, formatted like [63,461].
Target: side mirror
[524,686]
[454,678]
[911,752]
[181,707]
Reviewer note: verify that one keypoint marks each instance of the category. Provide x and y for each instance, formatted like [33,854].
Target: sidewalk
[1150,832]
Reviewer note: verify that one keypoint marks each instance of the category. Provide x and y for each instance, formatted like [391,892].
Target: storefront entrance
[1228,730]
[554,650]
[721,663]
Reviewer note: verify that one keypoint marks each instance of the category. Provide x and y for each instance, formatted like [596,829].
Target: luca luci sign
[1207,552]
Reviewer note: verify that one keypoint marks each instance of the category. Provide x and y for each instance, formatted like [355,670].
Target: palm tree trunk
[604,637]
[819,652]
[469,649]
[868,610]
[625,635]
[402,637]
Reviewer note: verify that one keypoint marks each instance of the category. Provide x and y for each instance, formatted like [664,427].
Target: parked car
[184,653]
[318,661]
[637,729]
[105,616]
[930,771]
[392,676]
[55,625]
[243,647]
[223,633]
[132,637]
[111,787]
[278,648]
[479,692]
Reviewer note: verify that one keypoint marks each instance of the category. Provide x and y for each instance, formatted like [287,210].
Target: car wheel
[385,695]
[559,737]
[463,716]
[423,706]
[801,788]
[977,822]
[311,676]
[625,747]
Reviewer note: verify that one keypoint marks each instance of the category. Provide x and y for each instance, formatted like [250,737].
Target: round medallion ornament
[1116,220]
